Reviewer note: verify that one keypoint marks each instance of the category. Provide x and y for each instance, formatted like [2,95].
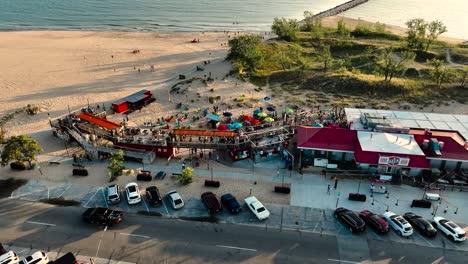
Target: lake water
[211,15]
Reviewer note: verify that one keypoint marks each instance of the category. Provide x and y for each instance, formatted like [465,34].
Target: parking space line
[39,223]
[143,200]
[105,199]
[451,243]
[66,189]
[167,211]
[427,241]
[343,261]
[86,205]
[134,235]
[239,248]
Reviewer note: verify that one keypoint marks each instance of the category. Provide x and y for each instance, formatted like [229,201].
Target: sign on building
[394,161]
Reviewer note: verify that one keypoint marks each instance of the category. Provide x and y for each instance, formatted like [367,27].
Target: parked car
[9,257]
[231,203]
[68,258]
[350,219]
[153,196]
[133,193]
[38,257]
[212,203]
[103,216]
[144,176]
[449,228]
[113,194]
[374,221]
[175,199]
[399,224]
[420,224]
[257,207]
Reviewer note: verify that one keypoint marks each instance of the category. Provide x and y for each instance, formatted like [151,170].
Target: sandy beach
[58,70]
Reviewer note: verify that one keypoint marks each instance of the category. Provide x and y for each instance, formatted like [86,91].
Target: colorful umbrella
[256,111]
[262,114]
[271,108]
[255,122]
[288,111]
[227,114]
[222,127]
[246,118]
[268,120]
[237,125]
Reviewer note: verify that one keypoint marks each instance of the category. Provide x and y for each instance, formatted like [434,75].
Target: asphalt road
[144,239]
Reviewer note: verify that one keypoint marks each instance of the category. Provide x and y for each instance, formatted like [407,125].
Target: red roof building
[328,139]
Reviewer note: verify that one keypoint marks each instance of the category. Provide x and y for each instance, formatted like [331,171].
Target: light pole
[100,239]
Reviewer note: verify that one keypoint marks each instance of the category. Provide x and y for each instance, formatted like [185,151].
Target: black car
[420,224]
[212,203]
[68,258]
[350,219]
[231,203]
[102,216]
[153,196]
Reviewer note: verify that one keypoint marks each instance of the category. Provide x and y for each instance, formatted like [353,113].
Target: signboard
[394,161]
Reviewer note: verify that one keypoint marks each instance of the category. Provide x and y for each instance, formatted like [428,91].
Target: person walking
[328,189]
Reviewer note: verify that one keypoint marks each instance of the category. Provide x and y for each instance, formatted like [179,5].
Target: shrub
[186,176]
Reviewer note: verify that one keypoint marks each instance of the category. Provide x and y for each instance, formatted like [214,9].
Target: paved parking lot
[302,219]
[24,252]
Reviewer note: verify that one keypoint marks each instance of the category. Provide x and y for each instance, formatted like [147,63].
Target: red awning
[98,121]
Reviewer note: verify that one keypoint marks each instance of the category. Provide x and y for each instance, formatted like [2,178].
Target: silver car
[113,194]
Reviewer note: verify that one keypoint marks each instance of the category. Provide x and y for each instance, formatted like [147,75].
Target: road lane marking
[239,248]
[86,205]
[66,189]
[39,223]
[343,261]
[134,235]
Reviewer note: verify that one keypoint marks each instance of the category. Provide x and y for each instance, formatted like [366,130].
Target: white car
[9,258]
[452,230]
[175,199]
[399,224]
[257,207]
[38,257]
[133,193]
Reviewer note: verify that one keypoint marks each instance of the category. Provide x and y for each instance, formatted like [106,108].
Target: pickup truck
[103,216]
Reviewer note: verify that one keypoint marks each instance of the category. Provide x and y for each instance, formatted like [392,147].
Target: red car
[374,221]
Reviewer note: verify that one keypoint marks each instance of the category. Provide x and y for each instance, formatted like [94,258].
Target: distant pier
[339,9]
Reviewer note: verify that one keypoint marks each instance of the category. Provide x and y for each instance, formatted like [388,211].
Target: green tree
[115,165]
[325,56]
[416,33]
[463,77]
[435,29]
[186,176]
[244,52]
[286,29]
[439,72]
[380,27]
[287,55]
[316,30]
[308,21]
[20,149]
[390,62]
[342,31]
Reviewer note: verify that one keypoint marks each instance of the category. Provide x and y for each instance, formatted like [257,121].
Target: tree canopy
[286,29]
[186,176]
[391,62]
[20,149]
[439,72]
[115,165]
[422,34]
[244,51]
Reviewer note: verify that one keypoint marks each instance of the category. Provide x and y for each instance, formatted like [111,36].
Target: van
[9,257]
[113,194]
